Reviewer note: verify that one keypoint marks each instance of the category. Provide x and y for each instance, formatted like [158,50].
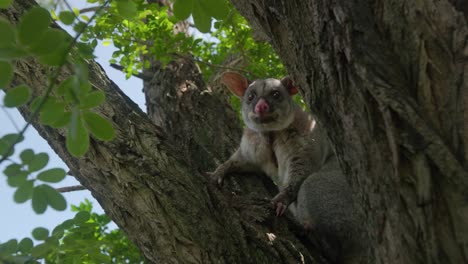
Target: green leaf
[24,192]
[7,31]
[82,72]
[6,143]
[92,99]
[52,111]
[100,127]
[200,18]
[6,74]
[127,9]
[33,25]
[215,8]
[81,217]
[12,52]
[50,42]
[39,200]
[58,57]
[5,3]
[67,224]
[27,156]
[79,27]
[13,138]
[38,162]
[4,147]
[77,141]
[69,88]
[63,121]
[55,199]
[86,51]
[25,245]
[40,233]
[52,175]
[12,170]
[41,251]
[182,9]
[17,96]
[19,179]
[9,247]
[67,17]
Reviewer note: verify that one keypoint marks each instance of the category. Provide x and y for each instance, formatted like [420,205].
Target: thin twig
[138,75]
[71,188]
[217,65]
[89,9]
[10,118]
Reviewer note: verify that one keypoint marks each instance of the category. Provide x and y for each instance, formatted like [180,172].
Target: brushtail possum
[287,144]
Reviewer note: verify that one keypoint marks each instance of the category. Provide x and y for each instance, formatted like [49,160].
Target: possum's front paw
[218,175]
[281,202]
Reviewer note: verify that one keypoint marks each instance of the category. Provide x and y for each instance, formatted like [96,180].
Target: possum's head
[267,104]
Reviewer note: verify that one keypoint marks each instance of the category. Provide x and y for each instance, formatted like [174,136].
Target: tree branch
[71,188]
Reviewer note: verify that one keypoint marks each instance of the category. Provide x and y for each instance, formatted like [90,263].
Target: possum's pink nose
[262,106]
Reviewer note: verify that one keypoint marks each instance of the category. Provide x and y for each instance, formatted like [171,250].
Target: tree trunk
[388,81]
[150,179]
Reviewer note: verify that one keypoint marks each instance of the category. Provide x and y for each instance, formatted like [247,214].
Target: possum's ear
[235,82]
[289,85]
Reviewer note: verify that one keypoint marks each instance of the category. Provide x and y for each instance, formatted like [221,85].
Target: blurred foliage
[85,238]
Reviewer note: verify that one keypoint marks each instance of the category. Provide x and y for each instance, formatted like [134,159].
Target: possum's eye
[251,96]
[276,94]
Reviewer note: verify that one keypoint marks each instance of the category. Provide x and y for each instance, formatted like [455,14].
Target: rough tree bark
[386,78]
[153,185]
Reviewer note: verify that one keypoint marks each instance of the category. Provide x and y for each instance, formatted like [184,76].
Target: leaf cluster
[85,238]
[71,107]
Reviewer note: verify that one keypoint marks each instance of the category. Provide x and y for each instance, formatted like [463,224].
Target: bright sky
[18,220]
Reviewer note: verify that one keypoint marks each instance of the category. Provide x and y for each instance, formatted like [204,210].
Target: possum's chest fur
[258,150]
[271,152]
